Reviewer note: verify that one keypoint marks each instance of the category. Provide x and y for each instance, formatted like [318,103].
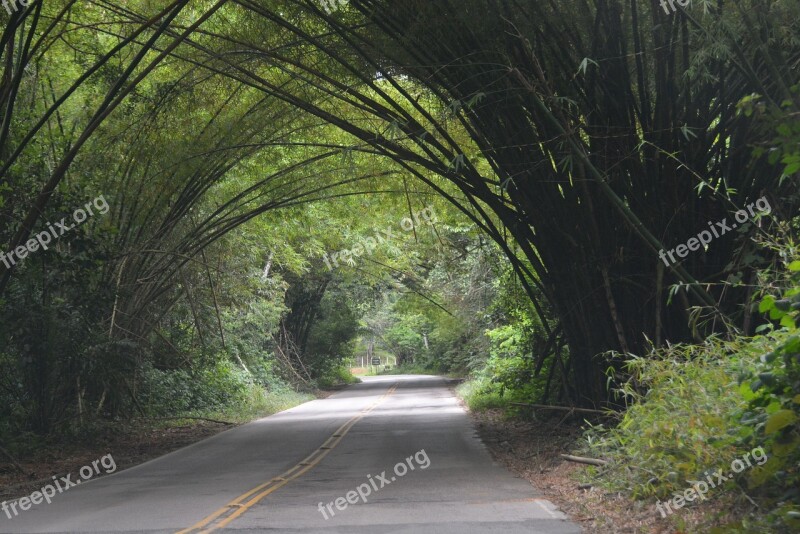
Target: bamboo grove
[581,137]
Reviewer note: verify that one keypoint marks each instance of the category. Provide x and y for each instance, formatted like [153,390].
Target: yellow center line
[235,508]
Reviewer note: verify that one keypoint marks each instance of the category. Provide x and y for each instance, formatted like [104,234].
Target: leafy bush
[415,368]
[336,377]
[478,398]
[171,392]
[681,419]
[772,416]
[508,376]
[695,408]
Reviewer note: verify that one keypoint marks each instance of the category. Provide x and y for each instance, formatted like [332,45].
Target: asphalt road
[394,454]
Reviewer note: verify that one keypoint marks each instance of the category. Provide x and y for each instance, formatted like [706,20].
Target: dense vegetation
[271,193]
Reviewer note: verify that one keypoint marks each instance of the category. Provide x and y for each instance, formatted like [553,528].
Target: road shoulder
[130,444]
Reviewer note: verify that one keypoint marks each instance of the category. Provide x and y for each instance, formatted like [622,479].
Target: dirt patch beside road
[531,450]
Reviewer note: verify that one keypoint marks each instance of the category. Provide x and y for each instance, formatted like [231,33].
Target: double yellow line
[244,502]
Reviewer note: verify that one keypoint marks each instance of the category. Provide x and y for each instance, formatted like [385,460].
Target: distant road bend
[394,454]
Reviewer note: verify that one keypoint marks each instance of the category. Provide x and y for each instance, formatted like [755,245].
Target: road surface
[394,454]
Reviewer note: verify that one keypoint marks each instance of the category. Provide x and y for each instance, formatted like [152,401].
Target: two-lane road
[394,454]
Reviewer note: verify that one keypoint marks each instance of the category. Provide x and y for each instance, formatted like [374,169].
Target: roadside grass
[681,420]
[258,401]
[257,404]
[482,394]
[692,411]
[339,376]
[133,441]
[407,369]
[172,399]
[478,398]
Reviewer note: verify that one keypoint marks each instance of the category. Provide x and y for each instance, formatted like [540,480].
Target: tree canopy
[253,155]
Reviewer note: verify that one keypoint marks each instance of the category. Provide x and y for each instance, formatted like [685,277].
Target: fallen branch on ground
[562,408]
[582,460]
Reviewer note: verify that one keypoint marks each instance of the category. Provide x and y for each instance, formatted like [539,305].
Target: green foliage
[508,375]
[783,130]
[695,408]
[509,369]
[331,337]
[455,345]
[772,415]
[475,393]
[408,368]
[220,390]
[172,392]
[404,338]
[680,420]
[337,376]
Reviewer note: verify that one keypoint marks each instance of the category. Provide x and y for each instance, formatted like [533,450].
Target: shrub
[695,408]
[508,375]
[683,403]
[336,377]
[771,418]
[478,397]
[170,392]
